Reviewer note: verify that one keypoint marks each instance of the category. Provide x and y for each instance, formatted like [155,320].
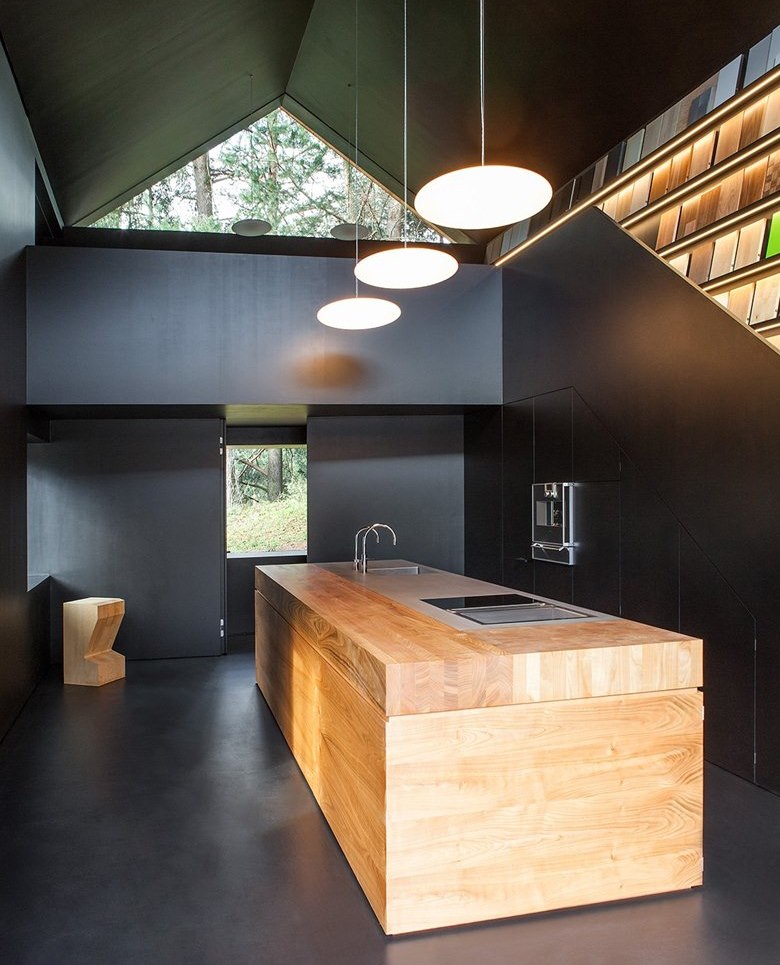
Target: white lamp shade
[251,227]
[485,196]
[410,267]
[358,312]
[347,231]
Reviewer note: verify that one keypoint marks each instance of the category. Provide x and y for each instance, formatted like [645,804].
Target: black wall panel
[39,623]
[404,471]
[596,575]
[482,495]
[553,443]
[240,588]
[134,508]
[596,455]
[689,396]
[650,553]
[596,470]
[518,475]
[19,665]
[710,609]
[553,456]
[767,677]
[175,327]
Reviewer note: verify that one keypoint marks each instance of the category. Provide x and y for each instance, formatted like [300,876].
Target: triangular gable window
[276,170]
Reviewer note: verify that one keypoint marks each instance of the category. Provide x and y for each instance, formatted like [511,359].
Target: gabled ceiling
[121,93]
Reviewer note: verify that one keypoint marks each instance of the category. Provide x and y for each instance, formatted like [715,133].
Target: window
[276,170]
[265,498]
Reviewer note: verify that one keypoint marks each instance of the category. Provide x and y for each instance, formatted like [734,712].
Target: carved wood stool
[89,628]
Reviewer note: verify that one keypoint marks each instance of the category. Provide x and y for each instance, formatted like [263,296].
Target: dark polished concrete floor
[161,819]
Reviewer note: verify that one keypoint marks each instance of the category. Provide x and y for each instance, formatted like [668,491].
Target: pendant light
[409,266]
[349,230]
[358,312]
[486,195]
[251,227]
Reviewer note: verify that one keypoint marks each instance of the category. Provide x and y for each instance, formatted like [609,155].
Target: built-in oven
[552,522]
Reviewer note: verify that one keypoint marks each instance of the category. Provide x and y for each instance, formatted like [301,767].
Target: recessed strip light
[754,152]
[737,220]
[711,121]
[768,326]
[755,272]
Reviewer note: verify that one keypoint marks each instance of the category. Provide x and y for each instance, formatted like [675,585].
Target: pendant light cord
[405,225]
[482,76]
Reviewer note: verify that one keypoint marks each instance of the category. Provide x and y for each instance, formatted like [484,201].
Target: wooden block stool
[89,628]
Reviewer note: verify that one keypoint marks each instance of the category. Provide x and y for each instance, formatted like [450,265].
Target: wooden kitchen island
[470,772]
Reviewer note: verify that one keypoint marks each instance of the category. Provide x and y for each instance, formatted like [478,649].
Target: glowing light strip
[737,220]
[735,279]
[767,326]
[679,195]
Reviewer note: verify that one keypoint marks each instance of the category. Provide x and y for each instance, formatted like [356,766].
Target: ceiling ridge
[298,51]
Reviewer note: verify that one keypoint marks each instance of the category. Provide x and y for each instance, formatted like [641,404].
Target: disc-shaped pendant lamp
[410,266]
[483,196]
[486,195]
[251,227]
[347,231]
[358,312]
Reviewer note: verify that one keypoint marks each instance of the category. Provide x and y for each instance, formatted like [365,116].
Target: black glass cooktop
[470,602]
[504,608]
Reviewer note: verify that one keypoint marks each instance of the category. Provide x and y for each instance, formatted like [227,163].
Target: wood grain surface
[89,629]
[729,134]
[405,662]
[581,784]
[514,810]
[336,736]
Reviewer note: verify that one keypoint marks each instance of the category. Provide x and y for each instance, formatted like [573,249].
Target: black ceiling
[120,93]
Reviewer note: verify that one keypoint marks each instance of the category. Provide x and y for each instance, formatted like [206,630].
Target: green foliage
[265,498]
[264,473]
[268,527]
[276,170]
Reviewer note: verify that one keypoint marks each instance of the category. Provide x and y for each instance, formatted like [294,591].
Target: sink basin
[378,568]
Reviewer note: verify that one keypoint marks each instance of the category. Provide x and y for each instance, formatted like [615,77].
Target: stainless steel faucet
[363,531]
[362,564]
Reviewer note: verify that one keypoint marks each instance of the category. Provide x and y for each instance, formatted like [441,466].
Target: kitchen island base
[461,816]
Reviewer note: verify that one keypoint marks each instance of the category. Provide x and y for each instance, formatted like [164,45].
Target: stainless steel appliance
[552,522]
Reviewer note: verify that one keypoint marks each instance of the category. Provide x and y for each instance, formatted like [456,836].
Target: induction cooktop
[505,608]
[469,602]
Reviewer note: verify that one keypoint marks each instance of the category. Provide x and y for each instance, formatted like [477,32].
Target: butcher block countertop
[408,657]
